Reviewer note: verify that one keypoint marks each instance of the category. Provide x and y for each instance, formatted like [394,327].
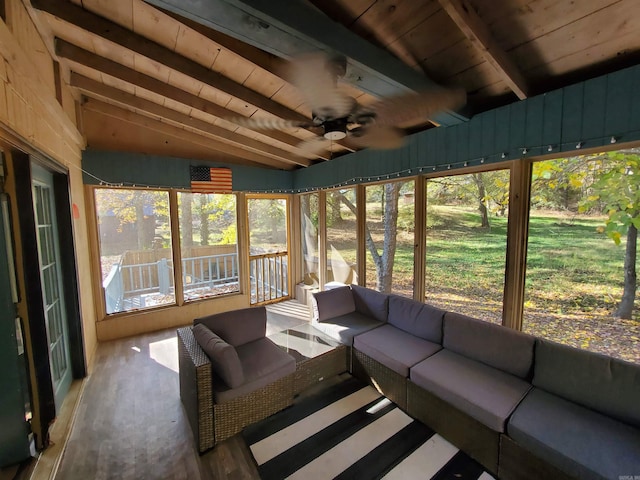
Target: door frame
[44,403]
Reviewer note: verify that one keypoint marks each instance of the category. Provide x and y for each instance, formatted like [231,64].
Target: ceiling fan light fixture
[335,129]
[335,135]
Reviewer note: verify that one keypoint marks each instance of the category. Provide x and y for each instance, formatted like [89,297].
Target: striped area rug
[351,431]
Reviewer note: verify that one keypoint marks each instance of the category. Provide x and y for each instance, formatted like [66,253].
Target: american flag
[211,180]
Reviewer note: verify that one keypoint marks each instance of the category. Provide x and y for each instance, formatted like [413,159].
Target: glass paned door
[268,249]
[51,279]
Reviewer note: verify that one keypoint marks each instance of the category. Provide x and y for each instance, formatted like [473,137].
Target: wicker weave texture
[196,389]
[465,432]
[232,416]
[388,382]
[310,372]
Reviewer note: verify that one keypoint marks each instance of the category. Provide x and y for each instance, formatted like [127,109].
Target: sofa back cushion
[224,358]
[371,302]
[494,345]
[237,327]
[601,383]
[332,303]
[416,318]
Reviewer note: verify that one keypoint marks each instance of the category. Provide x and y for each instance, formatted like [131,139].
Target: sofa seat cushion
[345,327]
[394,348]
[263,362]
[581,442]
[482,392]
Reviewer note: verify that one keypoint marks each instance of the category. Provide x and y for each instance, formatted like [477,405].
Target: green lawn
[574,274]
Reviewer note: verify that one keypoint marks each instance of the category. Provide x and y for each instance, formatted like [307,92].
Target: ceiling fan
[337,116]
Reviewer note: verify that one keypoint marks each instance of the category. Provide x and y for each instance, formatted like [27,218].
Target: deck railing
[269,277]
[127,285]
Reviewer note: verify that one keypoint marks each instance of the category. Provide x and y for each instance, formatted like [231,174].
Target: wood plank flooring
[130,423]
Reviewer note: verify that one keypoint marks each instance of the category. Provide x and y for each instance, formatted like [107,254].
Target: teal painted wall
[588,113]
[128,169]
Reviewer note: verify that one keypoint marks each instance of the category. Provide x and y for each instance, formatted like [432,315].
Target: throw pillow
[224,358]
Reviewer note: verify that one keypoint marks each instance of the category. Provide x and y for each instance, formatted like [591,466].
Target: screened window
[390,237]
[208,244]
[342,240]
[135,248]
[576,283]
[466,242]
[309,211]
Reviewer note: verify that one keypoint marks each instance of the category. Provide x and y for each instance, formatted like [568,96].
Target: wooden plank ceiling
[153,81]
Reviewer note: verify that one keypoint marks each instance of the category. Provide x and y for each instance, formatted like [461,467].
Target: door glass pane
[135,248]
[268,249]
[575,286]
[208,244]
[466,243]
[390,237]
[342,235]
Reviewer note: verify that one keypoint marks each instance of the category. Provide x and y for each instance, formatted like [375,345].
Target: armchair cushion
[237,327]
[224,358]
[263,362]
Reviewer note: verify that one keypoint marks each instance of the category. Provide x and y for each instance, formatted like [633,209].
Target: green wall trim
[588,114]
[131,169]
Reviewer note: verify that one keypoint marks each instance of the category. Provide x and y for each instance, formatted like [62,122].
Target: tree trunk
[625,309]
[384,267]
[335,216]
[140,223]
[186,222]
[482,205]
[204,221]
[384,262]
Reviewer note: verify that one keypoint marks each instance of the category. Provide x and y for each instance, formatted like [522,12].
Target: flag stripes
[211,180]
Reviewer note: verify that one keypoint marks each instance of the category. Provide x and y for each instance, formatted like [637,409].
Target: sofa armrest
[196,390]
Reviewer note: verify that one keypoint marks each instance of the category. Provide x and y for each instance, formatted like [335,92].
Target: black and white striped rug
[351,431]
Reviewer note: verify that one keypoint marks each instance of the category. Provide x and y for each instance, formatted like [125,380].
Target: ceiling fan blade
[379,137]
[268,123]
[401,109]
[312,74]
[312,147]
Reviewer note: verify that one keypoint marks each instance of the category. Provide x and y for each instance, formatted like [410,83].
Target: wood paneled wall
[34,119]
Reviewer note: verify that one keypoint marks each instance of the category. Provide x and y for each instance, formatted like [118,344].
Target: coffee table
[317,356]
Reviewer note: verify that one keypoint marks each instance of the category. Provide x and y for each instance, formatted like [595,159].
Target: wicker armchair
[214,411]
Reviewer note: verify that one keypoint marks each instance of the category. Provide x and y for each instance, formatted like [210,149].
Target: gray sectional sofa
[524,407]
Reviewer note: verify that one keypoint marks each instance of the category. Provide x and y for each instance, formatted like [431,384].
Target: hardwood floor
[130,423]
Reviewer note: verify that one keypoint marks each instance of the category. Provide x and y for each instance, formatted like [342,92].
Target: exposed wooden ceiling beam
[78,55]
[232,153]
[474,28]
[99,90]
[113,32]
[290,28]
[265,60]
